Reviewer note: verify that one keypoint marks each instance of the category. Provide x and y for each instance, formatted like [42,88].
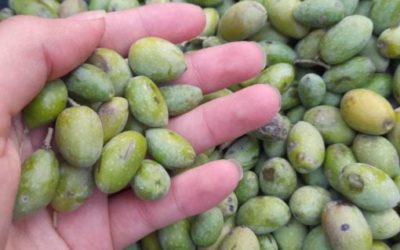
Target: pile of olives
[105,122]
[323,174]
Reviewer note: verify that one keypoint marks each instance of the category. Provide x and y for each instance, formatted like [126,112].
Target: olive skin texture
[181,98]
[378,152]
[308,47]
[240,238]
[345,227]
[306,149]
[114,66]
[229,224]
[384,14]
[336,158]
[118,5]
[135,125]
[278,178]
[253,214]
[212,20]
[276,129]
[352,74]
[278,52]
[315,178]
[248,187]
[281,17]
[319,13]
[79,136]
[368,187]
[367,112]
[316,240]
[90,84]
[146,102]
[307,204]
[244,151]
[346,39]
[113,115]
[383,224]
[381,83]
[98,4]
[176,236]
[291,236]
[170,149]
[46,106]
[329,122]
[72,7]
[206,227]
[157,59]
[119,161]
[396,84]
[267,242]
[388,43]
[350,6]
[150,242]
[229,205]
[371,51]
[38,182]
[35,8]
[151,181]
[279,75]
[242,20]
[394,134]
[312,90]
[75,185]
[206,3]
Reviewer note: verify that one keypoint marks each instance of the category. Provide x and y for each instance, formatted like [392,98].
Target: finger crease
[196,73]
[62,239]
[178,204]
[210,131]
[109,224]
[145,216]
[47,60]
[143,23]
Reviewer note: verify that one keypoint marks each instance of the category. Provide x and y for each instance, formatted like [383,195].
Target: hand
[34,50]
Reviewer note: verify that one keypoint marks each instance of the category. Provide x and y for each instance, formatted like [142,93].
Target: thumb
[32,51]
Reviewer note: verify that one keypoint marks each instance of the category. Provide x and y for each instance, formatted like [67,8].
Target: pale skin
[35,50]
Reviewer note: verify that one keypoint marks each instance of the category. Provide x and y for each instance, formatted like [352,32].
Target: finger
[28,59]
[218,67]
[57,46]
[87,227]
[191,193]
[36,230]
[26,141]
[175,22]
[9,172]
[228,117]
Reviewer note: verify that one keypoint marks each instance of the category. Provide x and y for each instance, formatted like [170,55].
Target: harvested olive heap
[323,174]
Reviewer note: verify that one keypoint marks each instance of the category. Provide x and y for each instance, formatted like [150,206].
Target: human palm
[34,50]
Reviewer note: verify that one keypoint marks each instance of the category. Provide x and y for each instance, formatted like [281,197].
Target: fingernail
[264,54]
[89,15]
[278,93]
[238,167]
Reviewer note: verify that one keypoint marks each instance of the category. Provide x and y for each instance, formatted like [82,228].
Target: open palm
[34,50]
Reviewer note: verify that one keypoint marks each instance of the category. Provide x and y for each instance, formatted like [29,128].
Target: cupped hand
[35,50]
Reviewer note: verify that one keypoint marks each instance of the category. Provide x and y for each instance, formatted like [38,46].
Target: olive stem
[25,135]
[49,137]
[72,102]
[312,62]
